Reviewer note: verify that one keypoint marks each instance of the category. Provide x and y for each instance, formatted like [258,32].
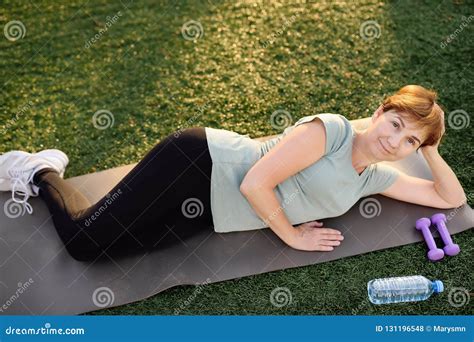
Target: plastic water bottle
[402,289]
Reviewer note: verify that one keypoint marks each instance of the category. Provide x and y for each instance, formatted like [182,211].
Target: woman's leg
[173,179]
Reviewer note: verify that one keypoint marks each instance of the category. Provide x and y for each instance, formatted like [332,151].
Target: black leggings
[171,183]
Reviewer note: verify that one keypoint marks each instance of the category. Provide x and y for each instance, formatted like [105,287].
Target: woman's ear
[377,113]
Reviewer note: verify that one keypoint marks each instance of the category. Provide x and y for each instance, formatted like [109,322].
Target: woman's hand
[310,236]
[434,148]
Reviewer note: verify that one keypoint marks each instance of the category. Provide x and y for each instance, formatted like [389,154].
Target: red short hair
[418,105]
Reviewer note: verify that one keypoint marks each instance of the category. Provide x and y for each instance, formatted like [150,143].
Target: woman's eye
[395,124]
[411,141]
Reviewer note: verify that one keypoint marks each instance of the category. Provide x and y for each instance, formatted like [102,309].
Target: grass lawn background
[155,82]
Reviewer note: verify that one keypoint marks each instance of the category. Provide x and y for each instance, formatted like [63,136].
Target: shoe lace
[20,180]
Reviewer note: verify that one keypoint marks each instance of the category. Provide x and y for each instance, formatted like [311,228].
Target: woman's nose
[394,142]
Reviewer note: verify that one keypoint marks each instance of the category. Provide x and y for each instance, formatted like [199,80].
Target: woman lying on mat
[218,180]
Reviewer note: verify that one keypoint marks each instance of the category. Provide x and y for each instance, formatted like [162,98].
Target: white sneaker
[17,169]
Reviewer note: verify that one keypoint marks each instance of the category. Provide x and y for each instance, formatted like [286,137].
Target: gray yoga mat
[38,277]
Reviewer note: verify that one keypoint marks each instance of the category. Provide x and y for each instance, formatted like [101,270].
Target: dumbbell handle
[434,253]
[428,237]
[450,248]
[443,232]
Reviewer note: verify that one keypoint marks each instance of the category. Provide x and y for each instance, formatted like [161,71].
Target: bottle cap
[438,286]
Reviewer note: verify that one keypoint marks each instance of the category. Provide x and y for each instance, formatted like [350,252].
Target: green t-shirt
[327,188]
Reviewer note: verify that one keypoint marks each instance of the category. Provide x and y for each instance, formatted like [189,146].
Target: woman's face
[393,137]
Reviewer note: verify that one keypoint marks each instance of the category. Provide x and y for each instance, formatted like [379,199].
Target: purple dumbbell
[450,248]
[434,253]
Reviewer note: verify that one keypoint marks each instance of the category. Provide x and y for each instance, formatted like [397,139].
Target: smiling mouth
[383,147]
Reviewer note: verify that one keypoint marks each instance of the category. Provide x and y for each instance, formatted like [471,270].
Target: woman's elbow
[460,202]
[249,187]
[246,188]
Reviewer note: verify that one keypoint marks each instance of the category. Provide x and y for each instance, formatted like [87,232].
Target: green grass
[155,82]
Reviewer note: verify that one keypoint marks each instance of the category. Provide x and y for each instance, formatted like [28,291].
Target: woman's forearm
[265,204]
[447,184]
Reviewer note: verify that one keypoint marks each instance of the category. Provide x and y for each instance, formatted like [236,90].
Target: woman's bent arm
[300,148]
[446,183]
[309,236]
[265,204]
[304,145]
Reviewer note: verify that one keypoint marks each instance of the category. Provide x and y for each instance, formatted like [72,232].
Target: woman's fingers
[332,237]
[329,231]
[330,243]
[325,248]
